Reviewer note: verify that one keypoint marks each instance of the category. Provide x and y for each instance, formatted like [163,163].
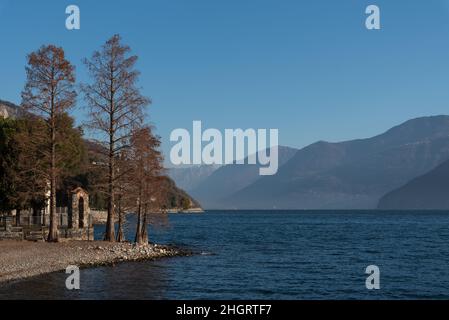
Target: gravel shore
[20,260]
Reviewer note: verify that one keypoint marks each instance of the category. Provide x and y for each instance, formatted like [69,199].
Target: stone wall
[79,234]
[5,235]
[8,231]
[75,222]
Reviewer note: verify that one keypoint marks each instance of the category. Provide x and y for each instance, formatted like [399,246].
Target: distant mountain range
[427,192]
[190,177]
[406,167]
[226,180]
[347,175]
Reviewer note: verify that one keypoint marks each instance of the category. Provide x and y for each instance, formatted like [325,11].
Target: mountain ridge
[230,178]
[349,174]
[8,109]
[429,191]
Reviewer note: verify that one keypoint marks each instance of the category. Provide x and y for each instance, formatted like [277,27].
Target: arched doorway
[81,212]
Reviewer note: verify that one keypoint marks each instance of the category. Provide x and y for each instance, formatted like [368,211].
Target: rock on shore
[19,260]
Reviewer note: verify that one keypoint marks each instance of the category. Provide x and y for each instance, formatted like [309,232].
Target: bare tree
[155,197]
[49,92]
[115,108]
[146,166]
[125,185]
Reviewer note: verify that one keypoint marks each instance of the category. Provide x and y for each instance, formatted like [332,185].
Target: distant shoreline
[200,210]
[23,259]
[99,217]
[330,210]
[191,210]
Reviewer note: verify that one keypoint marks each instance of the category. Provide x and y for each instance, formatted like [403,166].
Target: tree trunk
[138,238]
[110,232]
[53,230]
[109,236]
[145,227]
[120,235]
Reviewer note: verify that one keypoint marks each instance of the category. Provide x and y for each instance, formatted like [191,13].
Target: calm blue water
[275,255]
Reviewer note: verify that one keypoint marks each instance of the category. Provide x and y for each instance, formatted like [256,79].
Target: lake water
[275,255]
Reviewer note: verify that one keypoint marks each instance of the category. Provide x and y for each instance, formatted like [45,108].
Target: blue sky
[309,68]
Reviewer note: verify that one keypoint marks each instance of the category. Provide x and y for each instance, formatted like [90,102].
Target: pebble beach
[24,259]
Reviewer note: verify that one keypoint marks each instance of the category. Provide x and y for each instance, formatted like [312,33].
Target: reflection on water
[124,281]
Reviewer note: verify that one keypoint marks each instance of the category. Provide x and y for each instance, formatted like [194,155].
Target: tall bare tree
[116,107]
[145,161]
[49,92]
[155,196]
[125,186]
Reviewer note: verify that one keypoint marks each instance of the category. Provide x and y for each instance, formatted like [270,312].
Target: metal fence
[3,220]
[26,218]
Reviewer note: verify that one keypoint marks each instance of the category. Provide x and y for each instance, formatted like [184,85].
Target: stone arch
[79,210]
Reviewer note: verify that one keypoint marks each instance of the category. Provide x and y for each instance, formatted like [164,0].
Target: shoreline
[99,217]
[20,260]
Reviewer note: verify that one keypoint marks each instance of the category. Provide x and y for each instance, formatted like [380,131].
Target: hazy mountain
[231,178]
[429,191]
[353,174]
[188,178]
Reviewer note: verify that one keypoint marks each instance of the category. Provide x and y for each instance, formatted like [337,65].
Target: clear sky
[309,68]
